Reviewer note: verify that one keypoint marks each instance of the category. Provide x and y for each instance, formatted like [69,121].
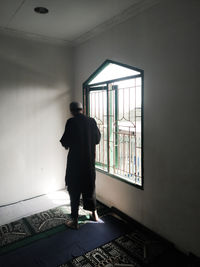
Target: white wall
[164,42]
[35,84]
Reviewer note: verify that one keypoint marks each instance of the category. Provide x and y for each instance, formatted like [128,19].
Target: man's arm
[66,138]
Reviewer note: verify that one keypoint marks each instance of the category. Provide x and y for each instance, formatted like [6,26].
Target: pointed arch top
[111,70]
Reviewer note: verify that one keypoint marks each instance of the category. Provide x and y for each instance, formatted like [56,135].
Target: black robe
[81,136]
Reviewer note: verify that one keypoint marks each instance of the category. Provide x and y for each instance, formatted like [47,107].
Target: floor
[28,207]
[35,205]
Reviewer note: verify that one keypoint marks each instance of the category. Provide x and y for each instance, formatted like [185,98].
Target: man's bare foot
[94,216]
[73,224]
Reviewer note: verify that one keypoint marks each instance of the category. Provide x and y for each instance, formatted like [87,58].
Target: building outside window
[113,96]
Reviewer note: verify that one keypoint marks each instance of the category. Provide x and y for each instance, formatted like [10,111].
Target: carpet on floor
[134,248]
[29,229]
[109,241]
[109,254]
[64,246]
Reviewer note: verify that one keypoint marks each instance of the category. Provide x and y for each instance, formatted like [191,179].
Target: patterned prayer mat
[46,220]
[13,232]
[40,225]
[111,253]
[131,248]
[134,246]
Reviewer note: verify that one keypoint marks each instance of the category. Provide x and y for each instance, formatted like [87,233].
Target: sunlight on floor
[59,197]
[34,205]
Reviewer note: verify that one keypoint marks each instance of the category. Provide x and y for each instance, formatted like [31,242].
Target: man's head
[76,108]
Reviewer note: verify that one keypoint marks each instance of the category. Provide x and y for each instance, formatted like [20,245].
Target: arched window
[113,96]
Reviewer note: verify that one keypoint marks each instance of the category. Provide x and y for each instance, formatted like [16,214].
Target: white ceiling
[68,20]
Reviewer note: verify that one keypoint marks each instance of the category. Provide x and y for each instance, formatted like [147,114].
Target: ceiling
[71,21]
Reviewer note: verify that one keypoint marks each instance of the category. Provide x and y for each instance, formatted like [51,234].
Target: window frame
[86,90]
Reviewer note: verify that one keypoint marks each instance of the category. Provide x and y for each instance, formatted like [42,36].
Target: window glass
[111,72]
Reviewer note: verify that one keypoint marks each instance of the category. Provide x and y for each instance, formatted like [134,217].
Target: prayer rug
[46,220]
[130,248]
[40,225]
[25,230]
[13,232]
[105,243]
[106,255]
[63,246]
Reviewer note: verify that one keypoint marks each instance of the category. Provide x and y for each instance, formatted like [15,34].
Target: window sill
[141,187]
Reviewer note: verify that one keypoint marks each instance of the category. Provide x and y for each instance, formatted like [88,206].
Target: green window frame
[117,106]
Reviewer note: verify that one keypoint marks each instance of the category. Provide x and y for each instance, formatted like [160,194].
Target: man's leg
[89,203]
[74,201]
[95,216]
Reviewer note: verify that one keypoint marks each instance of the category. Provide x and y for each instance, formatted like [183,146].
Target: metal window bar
[127,157]
[98,112]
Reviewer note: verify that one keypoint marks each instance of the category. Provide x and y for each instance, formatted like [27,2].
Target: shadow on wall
[16,71]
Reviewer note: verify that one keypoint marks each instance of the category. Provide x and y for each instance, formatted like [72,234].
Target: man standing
[81,136]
